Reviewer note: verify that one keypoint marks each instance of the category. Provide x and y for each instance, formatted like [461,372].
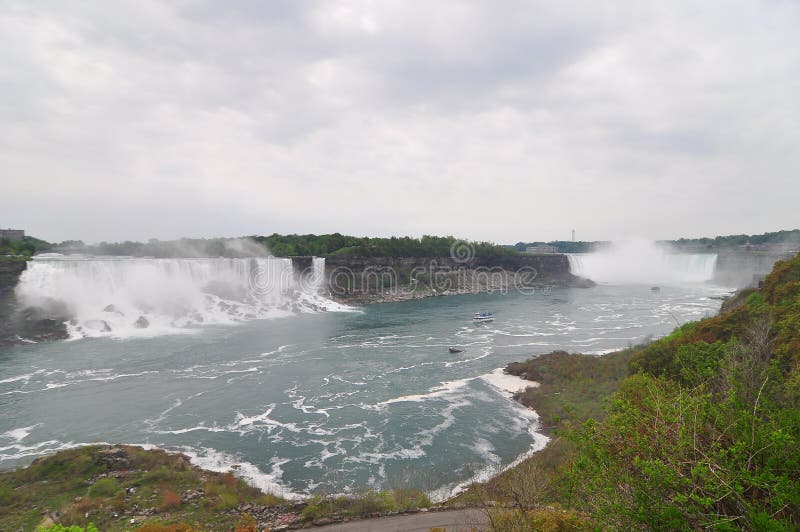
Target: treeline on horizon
[22,249]
[338,245]
[561,246]
[718,242]
[775,237]
[330,245]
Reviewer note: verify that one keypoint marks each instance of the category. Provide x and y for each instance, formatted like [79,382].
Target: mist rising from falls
[643,262]
[124,297]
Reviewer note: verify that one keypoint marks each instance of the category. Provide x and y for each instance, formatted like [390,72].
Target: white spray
[643,262]
[122,297]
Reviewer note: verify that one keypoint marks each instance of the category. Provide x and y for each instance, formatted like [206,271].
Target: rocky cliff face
[379,279]
[743,268]
[17,325]
[9,275]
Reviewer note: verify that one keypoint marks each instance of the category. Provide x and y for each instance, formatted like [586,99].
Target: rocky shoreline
[370,280]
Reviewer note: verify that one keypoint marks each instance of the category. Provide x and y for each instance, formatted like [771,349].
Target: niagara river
[299,394]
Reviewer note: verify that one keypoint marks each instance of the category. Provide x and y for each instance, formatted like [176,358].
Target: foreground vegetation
[700,429]
[126,487]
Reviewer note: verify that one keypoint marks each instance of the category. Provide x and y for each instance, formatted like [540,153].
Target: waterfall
[109,296]
[643,262]
[317,281]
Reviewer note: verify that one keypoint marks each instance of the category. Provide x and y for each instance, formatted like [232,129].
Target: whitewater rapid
[125,297]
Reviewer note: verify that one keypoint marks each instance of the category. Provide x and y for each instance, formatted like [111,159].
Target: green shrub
[270,499]
[756,301]
[160,474]
[61,528]
[226,501]
[698,362]
[675,457]
[105,487]
[317,507]
[408,499]
[372,502]
[6,495]
[537,520]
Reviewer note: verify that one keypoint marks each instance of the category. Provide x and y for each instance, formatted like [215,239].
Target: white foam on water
[39,449]
[601,351]
[19,434]
[441,390]
[452,363]
[484,449]
[418,444]
[263,421]
[220,462]
[508,384]
[527,420]
[26,377]
[63,379]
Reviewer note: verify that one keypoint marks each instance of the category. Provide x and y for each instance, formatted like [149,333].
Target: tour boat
[483,316]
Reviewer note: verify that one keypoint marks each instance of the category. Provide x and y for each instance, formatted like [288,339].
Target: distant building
[539,250]
[12,234]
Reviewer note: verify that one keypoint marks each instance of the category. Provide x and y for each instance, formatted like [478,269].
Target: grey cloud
[494,120]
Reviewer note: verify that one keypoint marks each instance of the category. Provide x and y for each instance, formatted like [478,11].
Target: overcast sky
[494,120]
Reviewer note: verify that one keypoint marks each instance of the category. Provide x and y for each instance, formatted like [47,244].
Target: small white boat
[483,316]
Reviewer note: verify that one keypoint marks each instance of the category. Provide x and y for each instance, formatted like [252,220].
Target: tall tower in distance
[573,235]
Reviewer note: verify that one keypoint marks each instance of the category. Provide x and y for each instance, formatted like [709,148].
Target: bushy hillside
[706,430]
[703,432]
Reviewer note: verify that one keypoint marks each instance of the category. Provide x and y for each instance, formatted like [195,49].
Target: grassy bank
[126,487]
[572,387]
